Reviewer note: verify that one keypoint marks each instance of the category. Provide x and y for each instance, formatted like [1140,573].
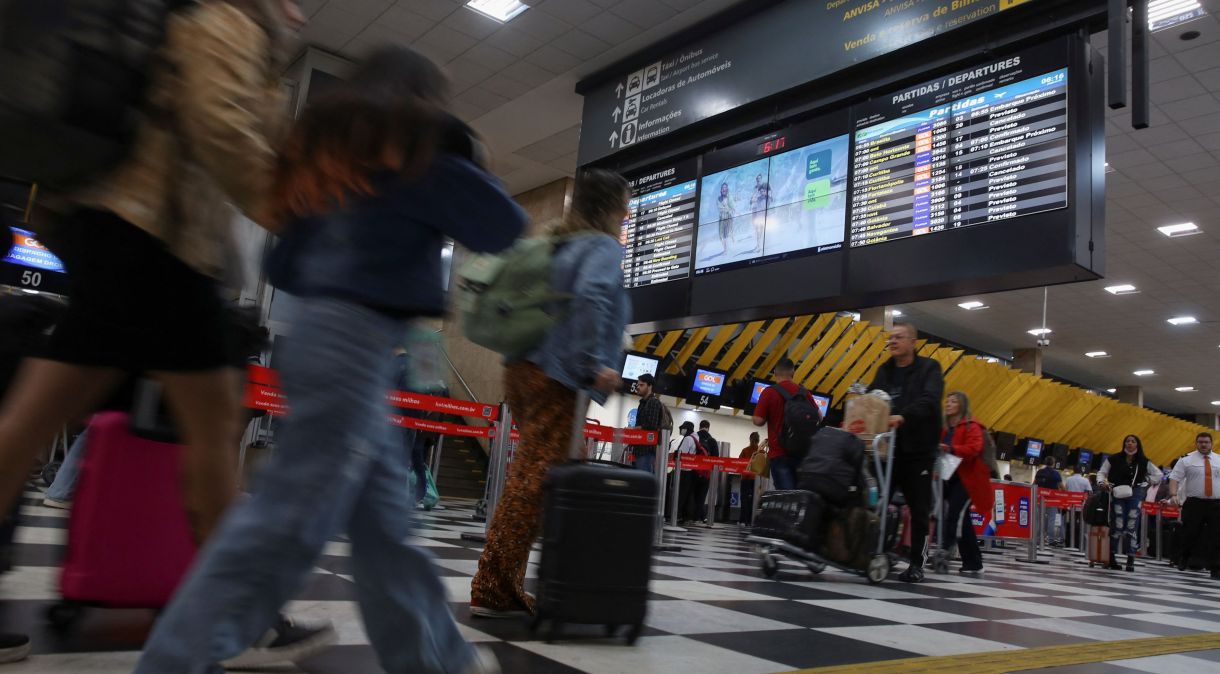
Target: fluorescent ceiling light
[972,305]
[895,312]
[500,10]
[1038,332]
[1182,229]
[1097,354]
[1183,320]
[1184,389]
[1122,289]
[1216,402]
[1164,14]
[992,359]
[1144,373]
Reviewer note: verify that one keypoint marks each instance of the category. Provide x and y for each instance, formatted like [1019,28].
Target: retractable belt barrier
[1071,515]
[704,462]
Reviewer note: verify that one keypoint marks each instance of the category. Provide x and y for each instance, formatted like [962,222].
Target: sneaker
[286,642]
[971,573]
[501,613]
[14,647]
[484,662]
[913,574]
[58,505]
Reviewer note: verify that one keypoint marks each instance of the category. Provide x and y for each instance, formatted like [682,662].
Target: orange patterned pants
[542,409]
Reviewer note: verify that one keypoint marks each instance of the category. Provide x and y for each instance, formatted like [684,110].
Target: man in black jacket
[916,386]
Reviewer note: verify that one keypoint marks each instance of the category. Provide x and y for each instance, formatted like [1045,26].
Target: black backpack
[73,75]
[1097,509]
[801,420]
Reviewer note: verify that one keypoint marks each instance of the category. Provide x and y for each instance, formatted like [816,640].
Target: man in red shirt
[770,412]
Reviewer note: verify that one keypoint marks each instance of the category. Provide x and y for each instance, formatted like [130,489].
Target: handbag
[759,464]
[947,465]
[1126,490]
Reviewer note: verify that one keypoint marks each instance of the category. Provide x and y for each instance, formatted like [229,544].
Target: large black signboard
[788,45]
[659,235]
[986,145]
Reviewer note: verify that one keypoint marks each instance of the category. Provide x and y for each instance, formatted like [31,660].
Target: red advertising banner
[426,403]
[1055,498]
[442,427]
[1013,512]
[266,398]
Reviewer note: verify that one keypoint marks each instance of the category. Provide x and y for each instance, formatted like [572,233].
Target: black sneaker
[286,642]
[14,647]
[913,574]
[971,573]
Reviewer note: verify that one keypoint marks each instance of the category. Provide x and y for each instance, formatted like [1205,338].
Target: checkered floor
[711,611]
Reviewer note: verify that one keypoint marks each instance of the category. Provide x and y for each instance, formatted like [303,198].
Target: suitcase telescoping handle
[576,446]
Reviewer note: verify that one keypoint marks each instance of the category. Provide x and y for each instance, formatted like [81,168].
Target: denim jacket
[384,250]
[589,335]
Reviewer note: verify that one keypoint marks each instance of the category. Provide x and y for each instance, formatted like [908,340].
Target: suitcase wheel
[878,569]
[64,615]
[634,633]
[770,566]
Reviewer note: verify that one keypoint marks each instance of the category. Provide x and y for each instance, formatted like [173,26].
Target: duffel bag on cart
[794,516]
[850,537]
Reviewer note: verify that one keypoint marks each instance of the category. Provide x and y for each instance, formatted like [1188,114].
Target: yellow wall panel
[760,347]
[739,344]
[824,342]
[688,349]
[794,331]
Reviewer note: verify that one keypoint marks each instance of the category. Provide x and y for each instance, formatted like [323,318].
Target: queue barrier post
[497,465]
[677,490]
[660,466]
[713,485]
[617,448]
[436,457]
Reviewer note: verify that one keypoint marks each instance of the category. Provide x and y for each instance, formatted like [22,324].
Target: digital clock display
[772,145]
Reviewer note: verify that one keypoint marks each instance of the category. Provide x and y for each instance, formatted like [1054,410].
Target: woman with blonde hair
[971,481]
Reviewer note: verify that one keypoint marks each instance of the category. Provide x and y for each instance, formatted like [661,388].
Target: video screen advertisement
[706,388]
[771,218]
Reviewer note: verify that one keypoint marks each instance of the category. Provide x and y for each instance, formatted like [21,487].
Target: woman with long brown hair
[367,192]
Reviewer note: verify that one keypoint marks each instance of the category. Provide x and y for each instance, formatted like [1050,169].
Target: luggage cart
[879,565]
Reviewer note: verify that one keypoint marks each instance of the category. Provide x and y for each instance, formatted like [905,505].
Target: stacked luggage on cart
[838,516]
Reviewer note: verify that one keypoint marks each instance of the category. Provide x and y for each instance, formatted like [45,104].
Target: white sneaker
[286,642]
[484,662]
[59,505]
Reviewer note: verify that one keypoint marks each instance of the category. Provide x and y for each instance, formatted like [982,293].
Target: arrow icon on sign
[617,111]
[618,91]
[613,138]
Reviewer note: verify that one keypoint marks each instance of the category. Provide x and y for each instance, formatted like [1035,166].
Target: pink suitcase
[129,542]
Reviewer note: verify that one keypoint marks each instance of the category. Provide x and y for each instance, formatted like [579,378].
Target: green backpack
[506,299]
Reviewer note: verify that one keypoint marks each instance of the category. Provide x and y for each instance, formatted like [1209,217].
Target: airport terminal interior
[1028,189]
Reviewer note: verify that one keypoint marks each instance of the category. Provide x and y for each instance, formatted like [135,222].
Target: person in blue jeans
[60,491]
[375,176]
[770,413]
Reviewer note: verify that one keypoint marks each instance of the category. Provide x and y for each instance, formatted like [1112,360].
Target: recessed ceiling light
[895,312]
[1109,169]
[1183,320]
[1122,289]
[1216,402]
[1038,332]
[972,305]
[1097,354]
[1111,390]
[1182,229]
[1184,389]
[1144,373]
[500,10]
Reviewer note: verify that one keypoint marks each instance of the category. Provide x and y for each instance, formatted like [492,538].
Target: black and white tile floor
[711,611]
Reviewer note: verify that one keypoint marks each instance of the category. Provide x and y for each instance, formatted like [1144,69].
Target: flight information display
[985,145]
[659,234]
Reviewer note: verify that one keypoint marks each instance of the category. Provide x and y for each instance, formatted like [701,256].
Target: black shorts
[132,304]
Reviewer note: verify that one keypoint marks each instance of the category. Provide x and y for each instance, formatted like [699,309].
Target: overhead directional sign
[772,51]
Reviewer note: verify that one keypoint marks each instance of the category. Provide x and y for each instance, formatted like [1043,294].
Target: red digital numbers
[772,145]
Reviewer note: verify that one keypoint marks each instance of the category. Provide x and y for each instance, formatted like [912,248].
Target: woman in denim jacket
[583,351]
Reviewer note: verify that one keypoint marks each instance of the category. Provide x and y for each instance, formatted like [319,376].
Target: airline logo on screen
[708,382]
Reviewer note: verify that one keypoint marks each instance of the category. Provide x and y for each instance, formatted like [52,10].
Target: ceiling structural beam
[1117,57]
[1028,360]
[1141,87]
[882,317]
[688,349]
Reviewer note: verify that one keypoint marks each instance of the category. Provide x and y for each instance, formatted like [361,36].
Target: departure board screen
[985,145]
[659,234]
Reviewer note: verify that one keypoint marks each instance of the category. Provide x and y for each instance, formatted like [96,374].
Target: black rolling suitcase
[597,535]
[794,516]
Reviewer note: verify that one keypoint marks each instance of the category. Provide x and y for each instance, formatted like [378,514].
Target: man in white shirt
[1077,482]
[1195,483]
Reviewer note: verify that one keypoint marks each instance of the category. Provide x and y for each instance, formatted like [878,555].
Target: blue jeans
[646,462]
[339,466]
[1125,522]
[64,485]
[783,473]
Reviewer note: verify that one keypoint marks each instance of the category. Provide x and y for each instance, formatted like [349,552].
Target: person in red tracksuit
[971,482]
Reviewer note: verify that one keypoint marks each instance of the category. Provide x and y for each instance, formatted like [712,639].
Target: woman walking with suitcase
[367,193]
[584,350]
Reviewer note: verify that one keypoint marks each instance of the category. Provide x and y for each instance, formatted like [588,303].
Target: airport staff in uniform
[1195,483]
